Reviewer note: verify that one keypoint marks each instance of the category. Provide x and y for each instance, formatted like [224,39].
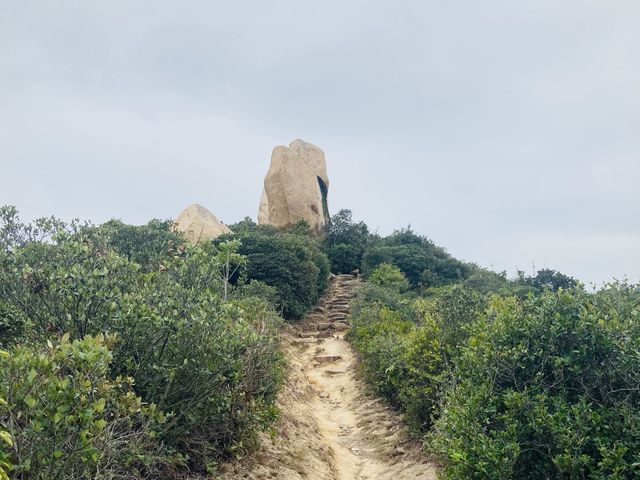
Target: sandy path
[330,429]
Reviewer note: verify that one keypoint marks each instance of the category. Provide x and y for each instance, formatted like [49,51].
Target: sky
[507,132]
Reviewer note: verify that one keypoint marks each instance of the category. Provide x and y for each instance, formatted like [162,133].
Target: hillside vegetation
[529,378]
[129,354]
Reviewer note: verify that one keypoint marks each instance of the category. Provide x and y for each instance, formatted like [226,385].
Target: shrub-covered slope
[186,378]
[504,385]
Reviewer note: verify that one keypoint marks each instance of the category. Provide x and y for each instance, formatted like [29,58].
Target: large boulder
[197,223]
[295,187]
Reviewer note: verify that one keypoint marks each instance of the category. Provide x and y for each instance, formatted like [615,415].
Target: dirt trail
[330,429]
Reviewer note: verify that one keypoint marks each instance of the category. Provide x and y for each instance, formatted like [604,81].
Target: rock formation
[197,223]
[296,187]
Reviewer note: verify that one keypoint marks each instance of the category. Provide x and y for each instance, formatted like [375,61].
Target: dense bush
[406,344]
[12,324]
[389,276]
[211,366]
[547,388]
[292,262]
[67,419]
[547,279]
[345,242]
[423,263]
[147,245]
[541,384]
[216,369]
[488,282]
[73,285]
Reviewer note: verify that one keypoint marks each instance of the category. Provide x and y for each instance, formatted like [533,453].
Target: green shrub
[146,245]
[547,279]
[12,324]
[389,276]
[546,388]
[256,289]
[215,372]
[6,444]
[293,264]
[66,417]
[345,242]
[407,345]
[212,366]
[73,285]
[401,361]
[423,263]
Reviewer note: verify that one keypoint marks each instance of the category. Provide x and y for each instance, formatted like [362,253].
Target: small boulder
[197,224]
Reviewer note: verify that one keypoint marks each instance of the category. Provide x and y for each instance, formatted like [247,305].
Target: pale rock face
[295,187]
[263,214]
[197,223]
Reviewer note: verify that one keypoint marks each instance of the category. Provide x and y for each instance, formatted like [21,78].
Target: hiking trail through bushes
[330,428]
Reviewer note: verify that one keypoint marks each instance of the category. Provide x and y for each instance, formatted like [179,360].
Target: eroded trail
[330,429]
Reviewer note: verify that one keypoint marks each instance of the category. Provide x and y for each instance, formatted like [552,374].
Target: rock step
[315,334]
[334,308]
[306,341]
[327,358]
[323,326]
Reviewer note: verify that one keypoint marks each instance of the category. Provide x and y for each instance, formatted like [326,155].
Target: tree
[547,279]
[230,261]
[293,264]
[424,263]
[345,242]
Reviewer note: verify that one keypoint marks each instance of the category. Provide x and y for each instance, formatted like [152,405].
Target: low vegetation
[121,357]
[548,387]
[527,378]
[129,354]
[289,261]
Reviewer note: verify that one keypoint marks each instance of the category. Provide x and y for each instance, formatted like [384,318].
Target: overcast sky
[506,131]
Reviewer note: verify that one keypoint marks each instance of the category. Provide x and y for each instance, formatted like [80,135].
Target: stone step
[305,341]
[327,358]
[334,308]
[323,326]
[315,334]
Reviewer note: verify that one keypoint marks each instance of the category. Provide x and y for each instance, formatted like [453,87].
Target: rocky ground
[330,428]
